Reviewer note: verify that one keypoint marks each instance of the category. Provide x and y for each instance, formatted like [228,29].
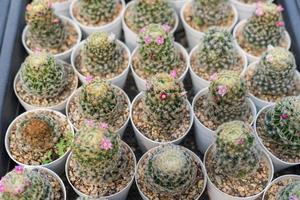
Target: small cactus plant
[235,150]
[157,52]
[170,170]
[41,75]
[46,29]
[24,184]
[290,192]
[101,54]
[226,99]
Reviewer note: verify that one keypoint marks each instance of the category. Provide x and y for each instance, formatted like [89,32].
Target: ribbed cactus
[96,11]
[102,54]
[41,75]
[265,27]
[25,184]
[217,51]
[97,152]
[282,123]
[157,52]
[45,28]
[170,170]
[145,12]
[290,192]
[210,12]
[99,100]
[226,99]
[274,74]
[235,150]
[165,101]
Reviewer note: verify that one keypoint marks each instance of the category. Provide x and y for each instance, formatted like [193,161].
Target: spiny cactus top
[145,12]
[290,192]
[165,101]
[102,54]
[157,52]
[217,50]
[274,74]
[41,75]
[282,122]
[226,100]
[265,27]
[171,170]
[46,29]
[235,149]
[23,184]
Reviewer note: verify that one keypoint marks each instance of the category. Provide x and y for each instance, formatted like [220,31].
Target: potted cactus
[46,31]
[170,172]
[273,77]
[101,55]
[44,82]
[278,128]
[215,52]
[265,27]
[94,15]
[225,99]
[99,101]
[161,114]
[199,15]
[101,164]
[285,187]
[140,13]
[32,183]
[236,167]
[39,137]
[157,53]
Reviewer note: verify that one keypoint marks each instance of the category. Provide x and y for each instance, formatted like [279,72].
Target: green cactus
[145,12]
[96,11]
[45,28]
[25,184]
[171,170]
[41,75]
[290,192]
[226,99]
[274,74]
[157,52]
[235,150]
[217,51]
[102,54]
[282,123]
[264,27]
[165,101]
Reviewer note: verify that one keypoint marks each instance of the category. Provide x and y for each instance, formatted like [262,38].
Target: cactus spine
[290,192]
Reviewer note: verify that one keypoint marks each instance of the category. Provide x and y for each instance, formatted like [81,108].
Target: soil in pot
[276,188]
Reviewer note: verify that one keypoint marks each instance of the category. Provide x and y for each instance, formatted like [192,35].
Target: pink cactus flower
[55,21]
[284,116]
[222,90]
[89,122]
[213,77]
[142,30]
[259,11]
[19,169]
[173,73]
[37,50]
[269,58]
[163,96]
[148,39]
[104,125]
[166,27]
[280,24]
[293,197]
[49,4]
[160,40]
[19,190]
[240,141]
[105,144]
[89,79]
[28,7]
[279,8]
[2,189]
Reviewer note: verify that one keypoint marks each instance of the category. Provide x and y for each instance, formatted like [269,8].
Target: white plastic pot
[192,153]
[200,83]
[146,143]
[278,164]
[114,27]
[121,195]
[118,80]
[58,107]
[141,83]
[120,131]
[280,178]
[193,36]
[131,36]
[177,5]
[62,8]
[205,136]
[215,193]
[56,165]
[61,56]
[251,58]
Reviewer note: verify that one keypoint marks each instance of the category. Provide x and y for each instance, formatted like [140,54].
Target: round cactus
[21,184]
[157,52]
[41,75]
[236,153]
[171,170]
[290,192]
